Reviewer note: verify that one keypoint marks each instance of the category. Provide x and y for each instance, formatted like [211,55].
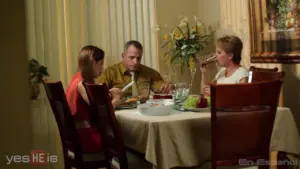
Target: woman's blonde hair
[85,66]
[232,44]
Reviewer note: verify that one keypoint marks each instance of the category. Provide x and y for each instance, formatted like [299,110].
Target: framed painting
[274,31]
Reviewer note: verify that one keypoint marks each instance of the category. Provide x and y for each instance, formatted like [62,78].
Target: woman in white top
[228,55]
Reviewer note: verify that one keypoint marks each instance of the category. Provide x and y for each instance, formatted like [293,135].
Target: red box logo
[38,157]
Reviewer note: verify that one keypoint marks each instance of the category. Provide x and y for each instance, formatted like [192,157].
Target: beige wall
[291,91]
[168,12]
[15,123]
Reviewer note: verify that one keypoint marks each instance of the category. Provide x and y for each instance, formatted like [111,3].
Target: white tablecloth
[183,138]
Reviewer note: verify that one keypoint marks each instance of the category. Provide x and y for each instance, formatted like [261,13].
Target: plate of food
[196,103]
[205,109]
[128,103]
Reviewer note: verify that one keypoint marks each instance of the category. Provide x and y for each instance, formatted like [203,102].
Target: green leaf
[188,30]
[165,44]
[180,30]
[43,71]
[191,51]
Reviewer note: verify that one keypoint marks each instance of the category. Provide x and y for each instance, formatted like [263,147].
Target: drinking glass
[144,91]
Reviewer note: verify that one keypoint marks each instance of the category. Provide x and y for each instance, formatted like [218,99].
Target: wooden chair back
[112,137]
[253,68]
[66,126]
[242,118]
[258,76]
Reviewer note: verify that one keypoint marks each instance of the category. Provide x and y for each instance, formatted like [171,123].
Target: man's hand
[166,88]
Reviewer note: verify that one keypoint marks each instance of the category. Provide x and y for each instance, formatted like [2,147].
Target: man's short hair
[135,43]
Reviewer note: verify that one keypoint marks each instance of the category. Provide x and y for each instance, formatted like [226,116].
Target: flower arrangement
[185,42]
[36,74]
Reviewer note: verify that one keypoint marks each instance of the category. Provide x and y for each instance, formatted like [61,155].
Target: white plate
[206,109]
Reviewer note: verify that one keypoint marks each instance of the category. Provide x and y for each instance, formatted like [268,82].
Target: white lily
[192,36]
[183,47]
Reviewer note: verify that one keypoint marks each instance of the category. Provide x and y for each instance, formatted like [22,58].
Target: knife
[127,86]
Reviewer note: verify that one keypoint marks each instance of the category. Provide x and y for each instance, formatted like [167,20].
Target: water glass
[144,90]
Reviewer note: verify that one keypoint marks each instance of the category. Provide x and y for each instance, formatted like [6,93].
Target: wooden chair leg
[263,167]
[273,158]
[283,161]
[109,166]
[123,162]
[279,160]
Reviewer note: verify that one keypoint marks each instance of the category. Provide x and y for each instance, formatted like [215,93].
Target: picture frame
[274,31]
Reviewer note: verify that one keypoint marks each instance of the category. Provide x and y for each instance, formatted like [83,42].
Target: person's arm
[206,87]
[83,92]
[115,102]
[156,82]
[116,95]
[244,74]
[244,80]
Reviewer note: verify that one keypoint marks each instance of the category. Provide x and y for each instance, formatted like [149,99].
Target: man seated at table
[121,74]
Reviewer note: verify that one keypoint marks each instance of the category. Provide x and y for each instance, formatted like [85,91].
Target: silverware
[127,86]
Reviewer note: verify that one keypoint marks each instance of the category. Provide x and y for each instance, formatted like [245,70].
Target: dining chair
[242,118]
[108,127]
[73,155]
[257,76]
[253,68]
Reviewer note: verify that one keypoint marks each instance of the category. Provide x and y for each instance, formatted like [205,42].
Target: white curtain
[58,29]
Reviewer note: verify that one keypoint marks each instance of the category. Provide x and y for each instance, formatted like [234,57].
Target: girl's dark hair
[86,56]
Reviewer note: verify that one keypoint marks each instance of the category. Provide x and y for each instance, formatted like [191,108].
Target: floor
[137,161]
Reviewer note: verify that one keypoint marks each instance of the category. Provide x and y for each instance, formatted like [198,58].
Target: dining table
[183,138]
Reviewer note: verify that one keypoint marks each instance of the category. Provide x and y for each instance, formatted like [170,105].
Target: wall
[168,12]
[15,125]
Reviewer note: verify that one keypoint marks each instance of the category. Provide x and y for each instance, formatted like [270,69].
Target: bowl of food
[153,108]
